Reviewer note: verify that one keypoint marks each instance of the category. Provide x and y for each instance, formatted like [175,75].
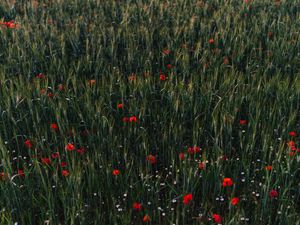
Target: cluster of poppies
[292,144]
[10,24]
[48,160]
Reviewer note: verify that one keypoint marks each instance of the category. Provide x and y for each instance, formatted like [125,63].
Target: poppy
[187,198]
[269,168]
[151,158]
[55,155]
[61,87]
[3,176]
[162,77]
[28,143]
[46,161]
[40,76]
[91,82]
[11,24]
[70,147]
[193,150]
[120,106]
[227,182]
[291,143]
[169,66]
[243,122]
[273,193]
[81,150]
[137,206]
[132,77]
[125,119]
[234,201]
[116,172]
[50,95]
[201,166]
[181,156]
[292,133]
[211,41]
[65,173]
[21,173]
[54,126]
[63,164]
[146,218]
[166,51]
[217,218]
[133,119]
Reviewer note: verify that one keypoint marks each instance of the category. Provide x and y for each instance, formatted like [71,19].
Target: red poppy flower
[81,150]
[116,172]
[133,119]
[201,166]
[3,176]
[217,218]
[137,206]
[120,106]
[273,193]
[193,150]
[11,24]
[169,66]
[211,41]
[234,201]
[65,173]
[269,168]
[21,173]
[46,161]
[162,77]
[43,91]
[91,82]
[187,198]
[63,164]
[50,95]
[292,133]
[55,155]
[151,158]
[54,126]
[28,143]
[132,77]
[146,218]
[70,147]
[243,122]
[166,51]
[291,143]
[227,182]
[61,87]
[125,119]
[181,156]
[40,76]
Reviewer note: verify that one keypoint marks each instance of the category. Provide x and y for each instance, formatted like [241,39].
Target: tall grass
[71,62]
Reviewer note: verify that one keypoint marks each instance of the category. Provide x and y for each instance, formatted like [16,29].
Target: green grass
[251,72]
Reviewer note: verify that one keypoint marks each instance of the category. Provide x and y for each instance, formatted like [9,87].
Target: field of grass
[149,112]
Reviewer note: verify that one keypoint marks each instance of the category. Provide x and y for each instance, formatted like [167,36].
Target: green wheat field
[129,112]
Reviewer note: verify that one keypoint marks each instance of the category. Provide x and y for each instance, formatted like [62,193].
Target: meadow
[149,112]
